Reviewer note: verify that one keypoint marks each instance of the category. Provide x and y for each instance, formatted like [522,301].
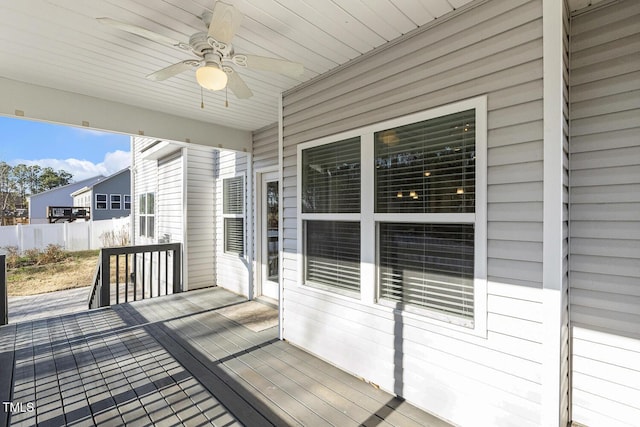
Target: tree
[51,179]
[33,178]
[20,175]
[7,191]
[15,180]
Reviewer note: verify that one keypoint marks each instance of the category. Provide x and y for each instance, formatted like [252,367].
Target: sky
[84,153]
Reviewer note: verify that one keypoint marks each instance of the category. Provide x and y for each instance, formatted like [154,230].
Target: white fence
[72,236]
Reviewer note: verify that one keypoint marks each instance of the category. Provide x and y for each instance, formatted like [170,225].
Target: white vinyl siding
[201,210]
[605,215]
[492,49]
[170,213]
[145,180]
[265,148]
[265,159]
[231,269]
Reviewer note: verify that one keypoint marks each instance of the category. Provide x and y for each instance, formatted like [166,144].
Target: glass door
[270,237]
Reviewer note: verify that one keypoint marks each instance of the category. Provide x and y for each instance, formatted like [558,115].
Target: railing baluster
[135,277]
[100,295]
[176,271]
[151,274]
[166,272]
[105,280]
[126,278]
[159,273]
[144,276]
[4,305]
[118,279]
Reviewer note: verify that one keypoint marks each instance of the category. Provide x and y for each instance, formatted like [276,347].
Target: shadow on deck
[176,360]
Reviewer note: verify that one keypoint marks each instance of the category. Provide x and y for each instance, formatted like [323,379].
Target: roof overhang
[57,106]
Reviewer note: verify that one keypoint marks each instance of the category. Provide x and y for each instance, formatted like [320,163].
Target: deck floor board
[175,360]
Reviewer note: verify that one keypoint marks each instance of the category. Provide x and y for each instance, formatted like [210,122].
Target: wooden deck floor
[175,361]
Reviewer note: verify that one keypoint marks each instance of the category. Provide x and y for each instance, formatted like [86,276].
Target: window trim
[145,233]
[111,202]
[369,220]
[337,217]
[106,202]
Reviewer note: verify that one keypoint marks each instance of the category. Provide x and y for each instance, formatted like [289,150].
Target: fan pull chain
[201,98]
[226,97]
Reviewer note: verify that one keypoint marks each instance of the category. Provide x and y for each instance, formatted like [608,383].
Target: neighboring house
[59,196]
[458,215]
[108,198]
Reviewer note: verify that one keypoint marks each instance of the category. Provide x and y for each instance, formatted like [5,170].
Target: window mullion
[367,227]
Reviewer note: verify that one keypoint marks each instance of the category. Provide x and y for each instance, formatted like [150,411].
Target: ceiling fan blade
[224,22]
[172,70]
[143,32]
[237,85]
[288,68]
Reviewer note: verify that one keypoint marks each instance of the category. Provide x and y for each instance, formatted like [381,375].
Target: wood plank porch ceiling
[59,44]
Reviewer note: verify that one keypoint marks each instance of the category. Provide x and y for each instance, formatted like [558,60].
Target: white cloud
[83,169]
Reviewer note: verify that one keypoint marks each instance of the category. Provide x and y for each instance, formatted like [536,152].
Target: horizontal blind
[428,265]
[427,167]
[233,195]
[332,254]
[234,235]
[331,178]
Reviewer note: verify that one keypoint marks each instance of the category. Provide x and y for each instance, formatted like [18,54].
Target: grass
[74,270]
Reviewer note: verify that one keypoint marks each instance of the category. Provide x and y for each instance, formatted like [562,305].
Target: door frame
[261,178]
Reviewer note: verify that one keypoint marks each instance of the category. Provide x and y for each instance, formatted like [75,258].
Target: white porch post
[280,213]
[554,378]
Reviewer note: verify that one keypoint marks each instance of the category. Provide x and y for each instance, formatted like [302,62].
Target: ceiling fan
[214,52]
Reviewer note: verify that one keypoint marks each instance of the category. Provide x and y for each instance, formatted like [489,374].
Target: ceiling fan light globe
[211,77]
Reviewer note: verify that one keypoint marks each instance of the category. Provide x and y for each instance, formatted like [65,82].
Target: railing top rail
[120,250]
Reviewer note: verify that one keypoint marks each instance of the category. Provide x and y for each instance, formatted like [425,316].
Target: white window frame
[369,220]
[235,216]
[332,217]
[111,202]
[106,202]
[146,215]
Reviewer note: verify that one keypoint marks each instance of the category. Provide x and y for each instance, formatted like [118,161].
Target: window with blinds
[331,178]
[331,181]
[233,214]
[428,166]
[234,235]
[427,265]
[403,202]
[233,195]
[332,254]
